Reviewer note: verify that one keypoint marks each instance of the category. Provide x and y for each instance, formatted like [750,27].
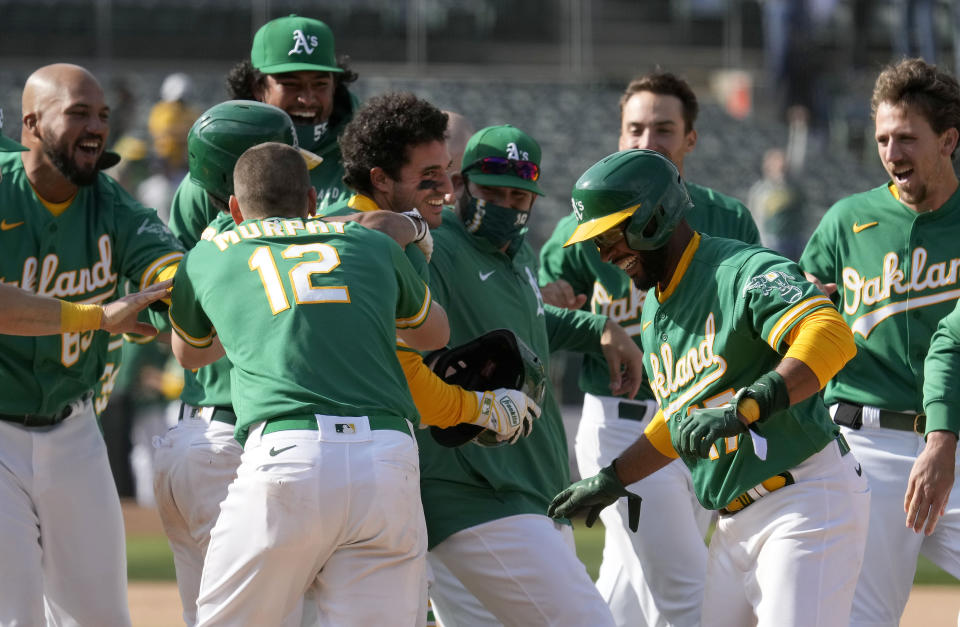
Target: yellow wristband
[75,318]
[750,409]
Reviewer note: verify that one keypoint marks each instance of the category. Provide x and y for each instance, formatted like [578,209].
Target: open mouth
[89,148]
[303,117]
[902,176]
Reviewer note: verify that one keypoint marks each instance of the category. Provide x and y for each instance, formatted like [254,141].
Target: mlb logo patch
[345,427]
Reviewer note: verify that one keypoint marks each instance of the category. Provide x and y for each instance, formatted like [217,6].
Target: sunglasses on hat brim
[527,170]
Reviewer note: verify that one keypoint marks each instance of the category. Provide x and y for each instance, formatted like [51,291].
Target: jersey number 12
[304,291]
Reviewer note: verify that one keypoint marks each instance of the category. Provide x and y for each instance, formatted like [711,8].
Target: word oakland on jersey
[303,273]
[716,330]
[897,274]
[82,254]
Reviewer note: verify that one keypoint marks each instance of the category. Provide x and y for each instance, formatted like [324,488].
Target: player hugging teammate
[297,488]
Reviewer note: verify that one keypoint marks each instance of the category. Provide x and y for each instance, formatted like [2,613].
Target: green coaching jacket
[483,289]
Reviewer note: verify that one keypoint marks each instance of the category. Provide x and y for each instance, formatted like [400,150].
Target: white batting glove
[422,237]
[508,413]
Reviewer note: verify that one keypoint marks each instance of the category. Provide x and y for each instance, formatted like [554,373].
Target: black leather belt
[851,415]
[632,411]
[43,420]
[221,413]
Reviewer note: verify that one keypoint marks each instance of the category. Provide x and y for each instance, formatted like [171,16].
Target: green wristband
[770,393]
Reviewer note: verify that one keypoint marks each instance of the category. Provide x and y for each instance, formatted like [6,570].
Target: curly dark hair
[915,83]
[665,84]
[243,77]
[381,133]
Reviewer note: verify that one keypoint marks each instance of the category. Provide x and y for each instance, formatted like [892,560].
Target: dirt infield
[157,605]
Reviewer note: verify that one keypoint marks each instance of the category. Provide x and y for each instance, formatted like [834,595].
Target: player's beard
[650,268]
[68,167]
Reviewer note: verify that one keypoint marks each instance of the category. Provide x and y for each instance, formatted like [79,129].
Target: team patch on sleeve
[775,282]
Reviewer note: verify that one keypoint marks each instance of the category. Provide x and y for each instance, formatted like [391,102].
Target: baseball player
[889,258]
[326,492]
[654,577]
[737,345]
[67,231]
[484,506]
[197,459]
[292,66]
[396,159]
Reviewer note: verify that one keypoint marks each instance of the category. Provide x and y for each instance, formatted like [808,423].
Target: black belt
[42,420]
[632,411]
[851,415]
[221,413]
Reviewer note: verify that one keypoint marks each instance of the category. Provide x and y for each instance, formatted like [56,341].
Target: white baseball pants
[524,569]
[654,577]
[340,511]
[195,462]
[62,550]
[791,558]
[892,549]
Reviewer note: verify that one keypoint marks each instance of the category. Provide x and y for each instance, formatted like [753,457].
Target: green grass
[590,549]
[149,558]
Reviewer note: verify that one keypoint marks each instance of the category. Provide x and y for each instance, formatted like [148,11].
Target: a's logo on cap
[301,43]
[516,154]
[577,208]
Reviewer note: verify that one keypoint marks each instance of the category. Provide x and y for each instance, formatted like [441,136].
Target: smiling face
[655,122]
[73,127]
[915,156]
[645,268]
[422,183]
[306,96]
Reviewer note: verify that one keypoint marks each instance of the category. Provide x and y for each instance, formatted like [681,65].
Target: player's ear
[31,122]
[235,209]
[949,141]
[312,201]
[380,180]
[690,141]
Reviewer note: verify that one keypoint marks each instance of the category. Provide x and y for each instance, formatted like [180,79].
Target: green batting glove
[697,432]
[593,494]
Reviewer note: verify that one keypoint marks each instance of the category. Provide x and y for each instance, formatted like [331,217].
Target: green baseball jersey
[720,328]
[103,237]
[941,381]
[307,315]
[483,289]
[896,276]
[357,203]
[210,385]
[610,290]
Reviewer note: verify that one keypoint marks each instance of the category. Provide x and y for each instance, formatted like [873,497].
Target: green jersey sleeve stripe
[417,319]
[158,265]
[793,314]
[198,342]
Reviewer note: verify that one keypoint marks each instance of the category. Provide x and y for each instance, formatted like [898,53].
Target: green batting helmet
[641,186]
[225,131]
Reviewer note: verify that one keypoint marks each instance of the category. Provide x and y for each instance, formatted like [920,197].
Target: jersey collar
[681,270]
[362,203]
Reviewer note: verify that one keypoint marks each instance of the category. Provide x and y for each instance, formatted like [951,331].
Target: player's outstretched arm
[120,316]
[624,358]
[433,334]
[25,313]
[404,228]
[192,357]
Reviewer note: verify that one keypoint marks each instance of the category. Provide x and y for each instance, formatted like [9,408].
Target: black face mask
[497,224]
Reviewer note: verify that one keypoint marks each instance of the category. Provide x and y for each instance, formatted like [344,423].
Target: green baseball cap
[293,44]
[503,156]
[7,144]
